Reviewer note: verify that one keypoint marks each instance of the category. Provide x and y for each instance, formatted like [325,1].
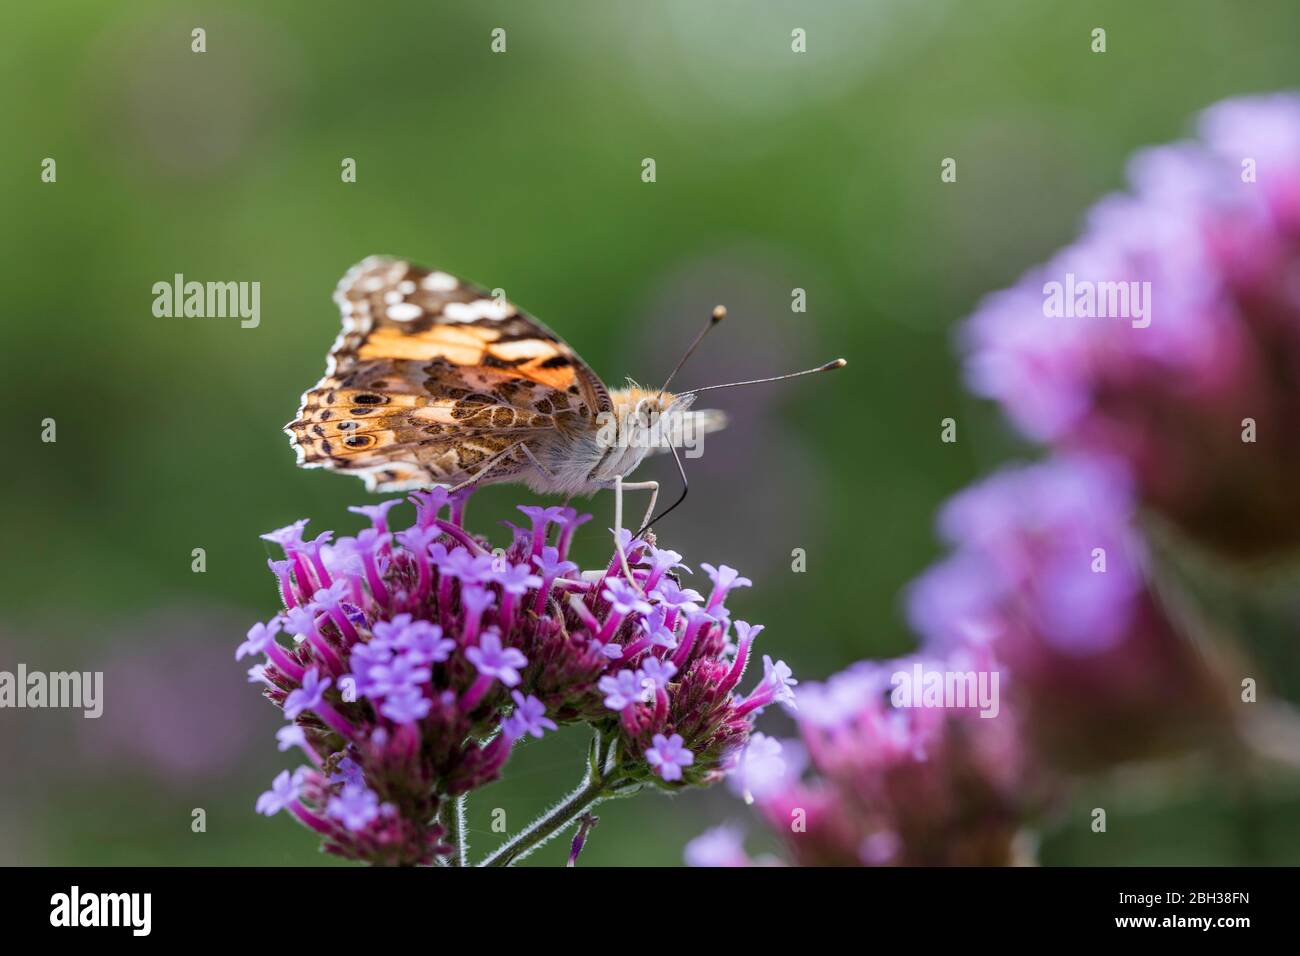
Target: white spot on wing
[524,349]
[478,309]
[404,312]
[440,282]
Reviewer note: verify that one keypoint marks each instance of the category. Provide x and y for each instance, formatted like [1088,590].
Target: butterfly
[435,381]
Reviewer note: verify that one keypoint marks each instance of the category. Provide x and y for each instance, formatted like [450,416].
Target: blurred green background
[775,171]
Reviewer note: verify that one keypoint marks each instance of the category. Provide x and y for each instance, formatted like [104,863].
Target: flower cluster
[1048,573]
[1186,405]
[1046,591]
[414,660]
[871,782]
[1198,396]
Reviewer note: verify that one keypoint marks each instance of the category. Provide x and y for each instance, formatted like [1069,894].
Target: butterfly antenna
[829,366]
[681,469]
[686,487]
[719,313]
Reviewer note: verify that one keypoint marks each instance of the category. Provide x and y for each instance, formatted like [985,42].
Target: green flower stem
[602,782]
[456,833]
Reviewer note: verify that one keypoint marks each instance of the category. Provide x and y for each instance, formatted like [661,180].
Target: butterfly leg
[653,488]
[488,466]
[528,453]
[619,487]
[618,526]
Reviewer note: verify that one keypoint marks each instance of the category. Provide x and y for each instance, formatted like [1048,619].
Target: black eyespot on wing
[557,361]
[368,399]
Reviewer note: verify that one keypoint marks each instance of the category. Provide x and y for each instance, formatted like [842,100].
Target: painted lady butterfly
[434,381]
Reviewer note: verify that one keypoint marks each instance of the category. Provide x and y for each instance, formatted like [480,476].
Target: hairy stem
[456,833]
[600,783]
[548,825]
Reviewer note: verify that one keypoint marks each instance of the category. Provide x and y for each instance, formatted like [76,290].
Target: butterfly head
[640,413]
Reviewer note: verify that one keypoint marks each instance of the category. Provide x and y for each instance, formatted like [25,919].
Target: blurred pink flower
[1048,573]
[1212,230]
[889,784]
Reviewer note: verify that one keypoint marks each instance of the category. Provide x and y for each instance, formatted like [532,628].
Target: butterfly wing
[431,377]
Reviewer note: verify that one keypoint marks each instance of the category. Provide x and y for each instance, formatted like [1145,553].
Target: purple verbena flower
[528,717]
[622,690]
[308,696]
[259,636]
[656,673]
[284,790]
[378,514]
[406,705]
[419,660]
[355,807]
[668,756]
[349,772]
[495,661]
[724,579]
